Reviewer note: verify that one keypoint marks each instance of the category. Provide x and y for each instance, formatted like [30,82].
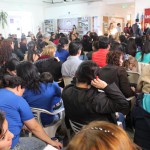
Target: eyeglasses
[3,136]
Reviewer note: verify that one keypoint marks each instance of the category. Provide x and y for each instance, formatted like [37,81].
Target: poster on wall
[147,16]
[83,25]
[49,25]
[65,25]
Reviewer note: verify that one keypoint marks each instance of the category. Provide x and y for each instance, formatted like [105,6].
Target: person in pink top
[100,56]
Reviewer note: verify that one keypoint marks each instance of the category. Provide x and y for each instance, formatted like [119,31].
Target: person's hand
[57,59]
[133,88]
[56,144]
[99,84]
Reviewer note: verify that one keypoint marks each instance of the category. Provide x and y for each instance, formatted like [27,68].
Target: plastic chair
[52,128]
[67,80]
[133,77]
[76,127]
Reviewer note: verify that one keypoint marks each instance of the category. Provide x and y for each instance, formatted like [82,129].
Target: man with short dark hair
[70,66]
[136,29]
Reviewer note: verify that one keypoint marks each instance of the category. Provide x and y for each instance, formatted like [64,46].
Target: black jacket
[86,105]
[141,122]
[111,73]
[50,65]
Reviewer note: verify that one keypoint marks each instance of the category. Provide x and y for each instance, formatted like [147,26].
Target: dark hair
[74,47]
[87,43]
[12,64]
[46,77]
[113,57]
[116,46]
[123,39]
[146,48]
[31,51]
[29,73]
[2,119]
[136,20]
[87,71]
[103,42]
[118,24]
[5,51]
[131,47]
[95,44]
[12,82]
[93,36]
[139,42]
[62,42]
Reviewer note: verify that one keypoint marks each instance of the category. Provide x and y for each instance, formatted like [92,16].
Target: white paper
[49,147]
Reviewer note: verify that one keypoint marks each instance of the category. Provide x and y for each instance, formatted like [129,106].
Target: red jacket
[100,57]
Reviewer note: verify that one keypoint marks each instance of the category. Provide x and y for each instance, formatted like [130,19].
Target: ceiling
[67,1]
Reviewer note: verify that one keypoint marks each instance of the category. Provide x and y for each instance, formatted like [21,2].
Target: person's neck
[12,90]
[83,85]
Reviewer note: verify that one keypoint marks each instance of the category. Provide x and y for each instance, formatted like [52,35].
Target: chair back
[141,66]
[52,128]
[76,127]
[133,77]
[67,80]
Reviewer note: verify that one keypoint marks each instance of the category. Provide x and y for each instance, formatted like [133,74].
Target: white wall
[31,15]
[87,10]
[140,6]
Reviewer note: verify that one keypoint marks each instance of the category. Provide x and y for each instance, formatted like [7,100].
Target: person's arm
[124,84]
[38,131]
[111,100]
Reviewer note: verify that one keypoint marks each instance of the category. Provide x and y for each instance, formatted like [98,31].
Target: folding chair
[67,80]
[52,128]
[76,127]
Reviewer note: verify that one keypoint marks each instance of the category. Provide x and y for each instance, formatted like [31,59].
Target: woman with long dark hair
[144,55]
[41,91]
[62,52]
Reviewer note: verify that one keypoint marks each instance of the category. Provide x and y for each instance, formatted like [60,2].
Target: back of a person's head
[146,47]
[103,42]
[122,39]
[31,46]
[49,50]
[74,48]
[100,135]
[136,20]
[116,46]
[29,73]
[46,36]
[62,42]
[9,81]
[12,64]
[131,47]
[113,57]
[46,77]
[93,36]
[87,71]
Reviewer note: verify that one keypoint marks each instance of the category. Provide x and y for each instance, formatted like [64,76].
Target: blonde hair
[100,135]
[49,50]
[131,60]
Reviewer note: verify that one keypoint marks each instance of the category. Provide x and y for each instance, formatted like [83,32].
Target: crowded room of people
[74,75]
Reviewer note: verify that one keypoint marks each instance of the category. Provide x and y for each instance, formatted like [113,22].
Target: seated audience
[41,91]
[141,111]
[100,135]
[100,56]
[131,47]
[62,52]
[83,101]
[18,113]
[49,63]
[70,66]
[144,55]
[114,72]
[5,135]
